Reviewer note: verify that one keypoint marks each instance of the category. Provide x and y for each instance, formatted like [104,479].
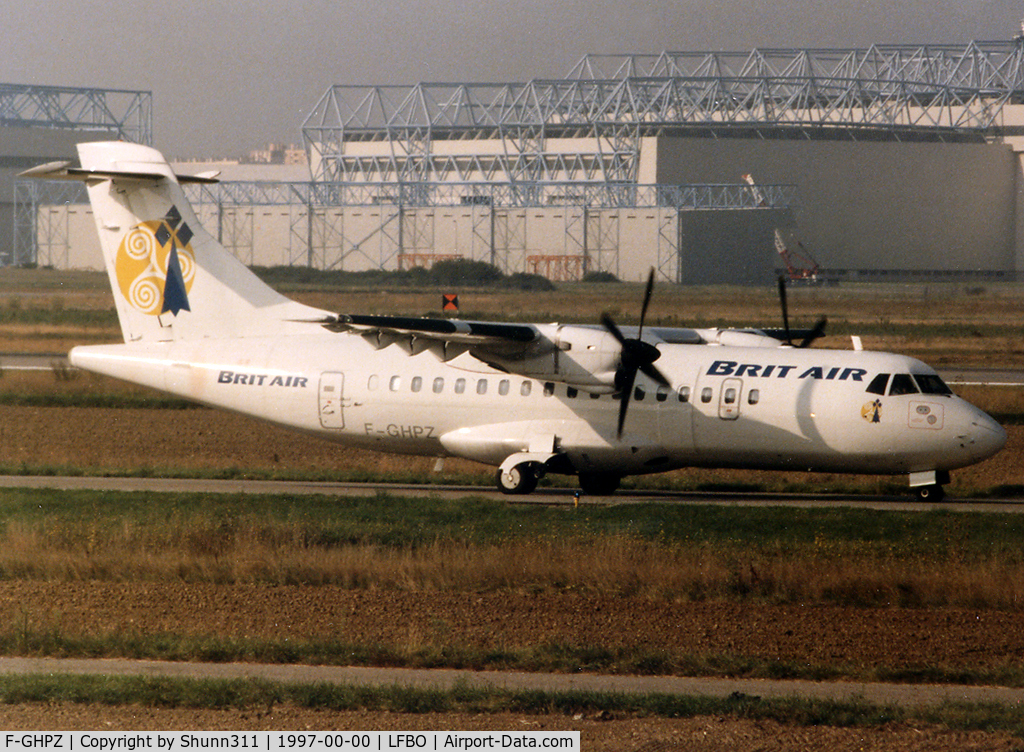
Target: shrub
[600,277]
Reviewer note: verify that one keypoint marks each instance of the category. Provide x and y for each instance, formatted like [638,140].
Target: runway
[907,695]
[547,496]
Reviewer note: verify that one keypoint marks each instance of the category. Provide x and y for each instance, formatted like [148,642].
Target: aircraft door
[729,399]
[331,389]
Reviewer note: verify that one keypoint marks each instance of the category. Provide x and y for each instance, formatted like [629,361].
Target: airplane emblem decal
[155,265]
[872,411]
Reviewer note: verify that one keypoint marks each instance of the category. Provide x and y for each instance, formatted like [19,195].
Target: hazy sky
[230,75]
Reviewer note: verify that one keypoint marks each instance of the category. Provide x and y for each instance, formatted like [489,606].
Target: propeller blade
[785,309]
[608,324]
[815,333]
[652,372]
[635,356]
[629,378]
[647,299]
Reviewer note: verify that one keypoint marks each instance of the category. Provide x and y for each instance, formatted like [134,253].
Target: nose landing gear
[927,485]
[933,493]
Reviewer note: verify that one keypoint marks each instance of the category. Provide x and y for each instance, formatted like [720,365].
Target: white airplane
[529,399]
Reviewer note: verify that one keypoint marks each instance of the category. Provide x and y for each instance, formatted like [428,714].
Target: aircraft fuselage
[745,407]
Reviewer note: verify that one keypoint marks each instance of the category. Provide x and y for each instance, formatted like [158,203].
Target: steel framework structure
[885,91]
[123,114]
[320,234]
[978,65]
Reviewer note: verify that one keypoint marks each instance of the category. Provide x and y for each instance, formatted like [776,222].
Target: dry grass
[826,571]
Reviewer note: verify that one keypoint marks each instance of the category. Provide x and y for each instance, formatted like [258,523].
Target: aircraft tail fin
[171,279]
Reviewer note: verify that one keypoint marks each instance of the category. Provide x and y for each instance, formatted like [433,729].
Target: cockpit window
[902,384]
[931,384]
[878,384]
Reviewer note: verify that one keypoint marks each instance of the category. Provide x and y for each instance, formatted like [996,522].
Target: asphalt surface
[908,695]
[550,496]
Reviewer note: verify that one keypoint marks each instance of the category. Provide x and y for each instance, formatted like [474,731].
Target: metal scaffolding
[977,65]
[123,114]
[882,91]
[321,231]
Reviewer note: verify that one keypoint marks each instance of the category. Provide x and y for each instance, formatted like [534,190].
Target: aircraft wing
[446,338]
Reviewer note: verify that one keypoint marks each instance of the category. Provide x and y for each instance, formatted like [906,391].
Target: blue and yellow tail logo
[155,265]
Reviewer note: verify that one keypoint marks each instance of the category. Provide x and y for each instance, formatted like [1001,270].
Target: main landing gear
[599,484]
[519,479]
[522,478]
[519,476]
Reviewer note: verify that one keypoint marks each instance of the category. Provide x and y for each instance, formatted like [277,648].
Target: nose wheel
[927,485]
[932,493]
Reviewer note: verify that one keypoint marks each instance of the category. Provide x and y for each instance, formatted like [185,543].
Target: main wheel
[599,484]
[933,493]
[520,479]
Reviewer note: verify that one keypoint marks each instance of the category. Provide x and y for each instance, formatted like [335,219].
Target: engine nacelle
[739,338]
[585,357]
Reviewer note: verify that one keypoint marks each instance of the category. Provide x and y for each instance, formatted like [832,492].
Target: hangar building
[887,163]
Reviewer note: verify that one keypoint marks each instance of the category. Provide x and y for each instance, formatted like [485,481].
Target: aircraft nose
[986,436]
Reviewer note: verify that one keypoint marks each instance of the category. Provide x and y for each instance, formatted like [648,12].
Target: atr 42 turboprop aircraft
[529,399]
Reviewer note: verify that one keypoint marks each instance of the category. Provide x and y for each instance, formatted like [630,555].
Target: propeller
[809,335]
[635,356]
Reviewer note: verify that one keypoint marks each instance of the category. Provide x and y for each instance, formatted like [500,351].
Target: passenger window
[396,383]
[438,385]
[549,388]
[595,395]
[503,387]
[730,396]
[526,388]
[684,394]
[571,392]
[417,383]
[753,396]
[460,386]
[373,382]
[639,393]
[706,394]
[662,393]
[878,384]
[481,386]
[902,384]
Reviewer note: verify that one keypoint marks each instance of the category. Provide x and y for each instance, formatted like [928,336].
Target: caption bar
[275,741]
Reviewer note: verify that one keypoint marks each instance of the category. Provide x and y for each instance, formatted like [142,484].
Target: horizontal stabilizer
[62,170]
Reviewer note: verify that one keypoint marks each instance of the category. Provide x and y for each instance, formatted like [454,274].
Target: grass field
[847,557]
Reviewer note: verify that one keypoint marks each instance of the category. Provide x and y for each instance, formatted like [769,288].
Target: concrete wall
[916,206]
[734,248]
